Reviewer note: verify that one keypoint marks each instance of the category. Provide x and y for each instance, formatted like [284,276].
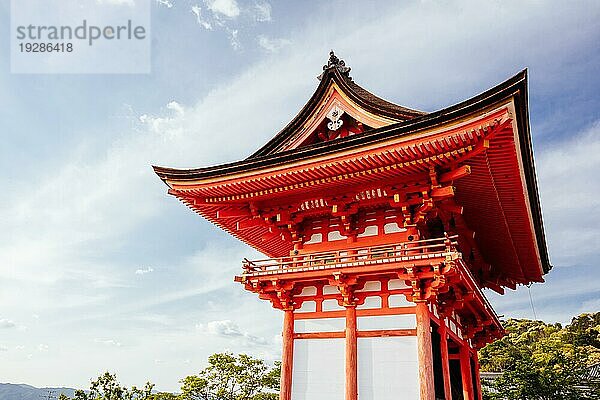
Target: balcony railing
[354,257]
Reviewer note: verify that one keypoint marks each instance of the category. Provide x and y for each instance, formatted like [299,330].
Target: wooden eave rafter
[410,146]
[400,155]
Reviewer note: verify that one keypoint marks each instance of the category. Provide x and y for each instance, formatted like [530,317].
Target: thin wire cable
[531,302]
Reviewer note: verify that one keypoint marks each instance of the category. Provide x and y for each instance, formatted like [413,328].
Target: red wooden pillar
[465,369]
[477,376]
[287,356]
[425,352]
[351,356]
[445,358]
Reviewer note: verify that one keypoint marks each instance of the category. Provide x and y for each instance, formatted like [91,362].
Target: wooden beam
[510,284]
[387,333]
[465,372]
[233,213]
[320,335]
[365,312]
[477,376]
[425,352]
[351,354]
[458,173]
[249,223]
[445,359]
[442,192]
[451,206]
[287,356]
[270,235]
[495,287]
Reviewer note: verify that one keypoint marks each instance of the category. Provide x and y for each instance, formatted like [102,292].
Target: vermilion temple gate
[382,225]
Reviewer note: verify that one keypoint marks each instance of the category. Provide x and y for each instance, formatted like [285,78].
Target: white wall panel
[307,306]
[388,368]
[319,369]
[320,325]
[399,300]
[402,321]
[331,305]
[328,289]
[308,291]
[371,286]
[397,284]
[370,302]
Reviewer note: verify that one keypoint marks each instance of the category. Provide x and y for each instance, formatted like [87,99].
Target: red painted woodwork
[366,208]
[360,334]
[320,335]
[351,354]
[477,376]
[287,356]
[445,360]
[465,370]
[387,333]
[428,269]
[360,313]
[425,354]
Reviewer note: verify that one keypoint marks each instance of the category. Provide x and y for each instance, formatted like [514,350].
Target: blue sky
[100,269]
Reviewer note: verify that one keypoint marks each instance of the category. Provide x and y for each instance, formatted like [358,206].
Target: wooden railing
[351,257]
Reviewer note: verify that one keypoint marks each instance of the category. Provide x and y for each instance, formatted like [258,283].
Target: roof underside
[500,197]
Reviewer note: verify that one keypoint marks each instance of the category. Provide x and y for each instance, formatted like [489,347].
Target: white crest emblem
[335,117]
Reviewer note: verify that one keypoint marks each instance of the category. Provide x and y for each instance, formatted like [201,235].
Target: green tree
[228,377]
[164,396]
[542,361]
[106,387]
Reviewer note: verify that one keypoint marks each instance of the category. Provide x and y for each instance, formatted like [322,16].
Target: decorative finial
[335,62]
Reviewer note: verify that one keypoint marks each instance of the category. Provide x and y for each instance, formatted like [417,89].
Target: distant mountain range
[11,391]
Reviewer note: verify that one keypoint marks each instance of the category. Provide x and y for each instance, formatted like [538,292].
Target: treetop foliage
[227,377]
[544,361]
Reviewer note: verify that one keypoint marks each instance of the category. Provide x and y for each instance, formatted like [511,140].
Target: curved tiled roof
[336,72]
[513,90]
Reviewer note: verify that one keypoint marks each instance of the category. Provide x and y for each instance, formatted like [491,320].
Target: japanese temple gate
[382,225]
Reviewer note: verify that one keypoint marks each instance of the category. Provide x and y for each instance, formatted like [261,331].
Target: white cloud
[224,16]
[155,319]
[175,106]
[227,8]
[129,3]
[166,3]
[3,348]
[272,45]
[6,323]
[197,11]
[143,271]
[234,39]
[43,347]
[108,342]
[261,11]
[229,329]
[570,190]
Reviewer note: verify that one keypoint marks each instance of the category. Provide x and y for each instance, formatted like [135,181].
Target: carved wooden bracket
[347,287]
